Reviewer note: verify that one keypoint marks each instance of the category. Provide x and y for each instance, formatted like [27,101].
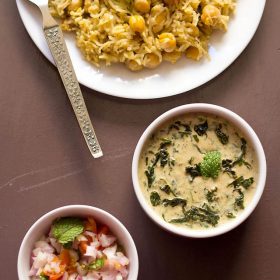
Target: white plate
[167,79]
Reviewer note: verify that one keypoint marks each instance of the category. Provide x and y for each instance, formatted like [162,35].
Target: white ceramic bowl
[248,133]
[42,226]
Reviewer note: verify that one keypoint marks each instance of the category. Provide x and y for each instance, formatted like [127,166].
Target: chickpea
[133,65]
[142,6]
[159,16]
[75,5]
[210,15]
[137,23]
[192,29]
[195,4]
[151,60]
[192,53]
[171,2]
[167,41]
[172,56]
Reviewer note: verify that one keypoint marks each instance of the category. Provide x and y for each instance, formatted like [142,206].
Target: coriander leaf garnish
[201,128]
[211,164]
[155,199]
[65,230]
[221,135]
[42,276]
[96,265]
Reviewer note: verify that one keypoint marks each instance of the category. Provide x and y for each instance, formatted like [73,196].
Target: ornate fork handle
[61,56]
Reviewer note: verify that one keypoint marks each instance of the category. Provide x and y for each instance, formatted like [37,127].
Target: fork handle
[61,57]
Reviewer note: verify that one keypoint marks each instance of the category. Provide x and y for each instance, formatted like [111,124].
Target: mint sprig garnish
[65,230]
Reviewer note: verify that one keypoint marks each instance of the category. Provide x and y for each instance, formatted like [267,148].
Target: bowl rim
[59,212]
[237,121]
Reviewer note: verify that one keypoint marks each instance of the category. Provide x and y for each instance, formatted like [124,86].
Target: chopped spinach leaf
[211,195]
[163,156]
[165,142]
[193,171]
[199,150]
[146,161]
[184,133]
[183,129]
[199,214]
[167,189]
[191,160]
[239,201]
[247,182]
[195,138]
[230,215]
[185,126]
[240,159]
[240,181]
[43,277]
[155,199]
[237,182]
[174,202]
[227,167]
[221,135]
[150,174]
[201,128]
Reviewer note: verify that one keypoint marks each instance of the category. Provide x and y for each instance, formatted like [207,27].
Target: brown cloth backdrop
[44,162]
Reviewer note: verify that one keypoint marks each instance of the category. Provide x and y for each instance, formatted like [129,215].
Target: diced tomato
[83,247]
[103,230]
[65,257]
[56,276]
[90,225]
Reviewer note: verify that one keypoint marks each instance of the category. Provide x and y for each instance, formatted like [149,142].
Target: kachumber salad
[78,249]
[198,171]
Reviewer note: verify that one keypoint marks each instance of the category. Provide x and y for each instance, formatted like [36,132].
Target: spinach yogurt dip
[198,171]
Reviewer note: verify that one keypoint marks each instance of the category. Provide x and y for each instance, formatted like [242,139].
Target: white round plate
[166,80]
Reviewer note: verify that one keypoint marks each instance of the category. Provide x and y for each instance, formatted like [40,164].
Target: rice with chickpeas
[142,33]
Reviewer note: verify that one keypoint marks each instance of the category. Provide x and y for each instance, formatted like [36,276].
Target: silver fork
[56,43]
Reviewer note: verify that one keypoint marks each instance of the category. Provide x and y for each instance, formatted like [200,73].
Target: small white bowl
[236,121]
[42,226]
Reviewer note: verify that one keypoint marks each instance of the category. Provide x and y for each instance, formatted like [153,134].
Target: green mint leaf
[65,230]
[211,164]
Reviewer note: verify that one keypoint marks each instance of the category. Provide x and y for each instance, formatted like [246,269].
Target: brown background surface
[45,164]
